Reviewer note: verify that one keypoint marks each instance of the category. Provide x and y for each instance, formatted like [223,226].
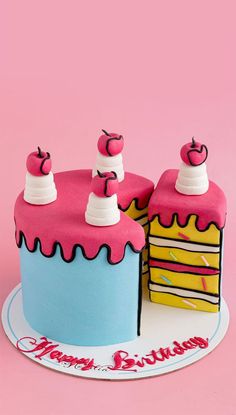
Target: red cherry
[105,184]
[39,163]
[194,153]
[110,144]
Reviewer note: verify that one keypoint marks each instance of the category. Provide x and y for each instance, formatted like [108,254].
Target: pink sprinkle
[183,236]
[205,261]
[188,303]
[204,283]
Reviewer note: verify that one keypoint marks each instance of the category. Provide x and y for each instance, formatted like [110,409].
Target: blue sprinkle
[166,279]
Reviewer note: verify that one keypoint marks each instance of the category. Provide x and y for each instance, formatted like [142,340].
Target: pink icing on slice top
[63,221]
[167,202]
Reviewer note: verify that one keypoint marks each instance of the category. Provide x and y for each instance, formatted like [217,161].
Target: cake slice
[187,216]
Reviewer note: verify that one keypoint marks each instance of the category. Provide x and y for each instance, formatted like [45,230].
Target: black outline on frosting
[136,201]
[75,246]
[175,215]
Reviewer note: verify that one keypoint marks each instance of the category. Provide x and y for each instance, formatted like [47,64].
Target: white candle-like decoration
[109,157]
[40,188]
[192,178]
[102,208]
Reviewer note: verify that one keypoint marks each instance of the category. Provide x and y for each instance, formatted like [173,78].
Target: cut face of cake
[185,241]
[134,190]
[134,203]
[80,263]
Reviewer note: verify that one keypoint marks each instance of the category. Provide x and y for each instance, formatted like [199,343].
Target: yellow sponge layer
[210,236]
[135,213]
[186,257]
[208,283]
[189,303]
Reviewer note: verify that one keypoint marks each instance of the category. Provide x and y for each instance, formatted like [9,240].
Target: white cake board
[161,325]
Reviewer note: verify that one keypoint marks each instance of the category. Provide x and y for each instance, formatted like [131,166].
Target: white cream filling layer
[102,211]
[183,293]
[188,246]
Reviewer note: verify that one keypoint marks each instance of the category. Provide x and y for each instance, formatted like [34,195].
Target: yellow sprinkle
[188,303]
[172,255]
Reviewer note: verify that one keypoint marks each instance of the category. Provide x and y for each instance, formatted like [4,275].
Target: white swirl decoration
[40,190]
[192,180]
[102,211]
[110,163]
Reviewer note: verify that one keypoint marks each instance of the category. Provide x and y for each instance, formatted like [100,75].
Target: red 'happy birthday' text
[121,358]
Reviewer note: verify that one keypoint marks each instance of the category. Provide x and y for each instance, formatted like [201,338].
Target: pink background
[158,73]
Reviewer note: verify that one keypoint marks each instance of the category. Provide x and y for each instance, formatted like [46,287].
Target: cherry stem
[40,155]
[193,143]
[100,174]
[105,132]
[115,175]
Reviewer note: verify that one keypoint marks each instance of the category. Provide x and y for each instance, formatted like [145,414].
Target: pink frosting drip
[134,187]
[63,222]
[167,202]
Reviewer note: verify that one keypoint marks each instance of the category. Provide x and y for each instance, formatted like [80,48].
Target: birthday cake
[81,256]
[89,239]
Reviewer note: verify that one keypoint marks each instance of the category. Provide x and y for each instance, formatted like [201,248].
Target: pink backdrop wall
[158,72]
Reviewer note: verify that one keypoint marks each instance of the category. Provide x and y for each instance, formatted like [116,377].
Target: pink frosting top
[167,202]
[134,187]
[63,221]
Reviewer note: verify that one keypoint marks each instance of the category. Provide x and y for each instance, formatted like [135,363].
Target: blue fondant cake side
[84,302]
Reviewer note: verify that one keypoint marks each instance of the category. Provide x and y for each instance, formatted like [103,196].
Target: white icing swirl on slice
[112,163]
[40,190]
[192,180]
[102,211]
